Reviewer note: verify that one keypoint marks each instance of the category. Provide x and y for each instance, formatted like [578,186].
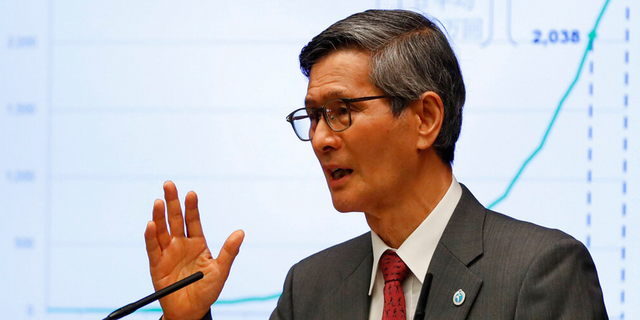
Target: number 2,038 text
[555,36]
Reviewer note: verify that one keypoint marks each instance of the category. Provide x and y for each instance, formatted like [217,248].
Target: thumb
[230,250]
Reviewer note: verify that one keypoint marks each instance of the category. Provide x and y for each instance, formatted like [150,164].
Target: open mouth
[339,173]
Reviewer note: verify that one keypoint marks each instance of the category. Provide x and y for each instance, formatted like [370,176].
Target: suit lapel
[350,298]
[460,245]
[449,276]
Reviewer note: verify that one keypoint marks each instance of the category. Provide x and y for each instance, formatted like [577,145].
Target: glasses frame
[323,109]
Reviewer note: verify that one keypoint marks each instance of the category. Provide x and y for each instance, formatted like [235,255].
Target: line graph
[514,180]
[95,310]
[589,47]
[93,99]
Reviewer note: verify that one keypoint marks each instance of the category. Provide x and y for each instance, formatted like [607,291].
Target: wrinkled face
[367,166]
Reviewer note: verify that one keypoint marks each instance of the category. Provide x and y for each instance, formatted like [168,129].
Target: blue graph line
[592,36]
[94,310]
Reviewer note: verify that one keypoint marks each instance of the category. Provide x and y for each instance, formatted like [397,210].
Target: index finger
[192,215]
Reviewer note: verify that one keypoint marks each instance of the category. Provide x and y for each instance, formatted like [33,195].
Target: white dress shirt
[416,252]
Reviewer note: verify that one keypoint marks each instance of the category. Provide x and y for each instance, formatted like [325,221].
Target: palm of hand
[175,256]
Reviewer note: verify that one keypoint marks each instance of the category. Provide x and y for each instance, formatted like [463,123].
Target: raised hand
[174,255]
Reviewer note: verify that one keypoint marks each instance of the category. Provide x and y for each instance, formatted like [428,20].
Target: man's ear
[430,114]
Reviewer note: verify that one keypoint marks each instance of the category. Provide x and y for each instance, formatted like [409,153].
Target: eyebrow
[331,95]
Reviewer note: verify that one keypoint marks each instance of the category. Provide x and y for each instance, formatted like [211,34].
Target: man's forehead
[341,73]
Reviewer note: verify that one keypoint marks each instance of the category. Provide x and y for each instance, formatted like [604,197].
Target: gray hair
[409,56]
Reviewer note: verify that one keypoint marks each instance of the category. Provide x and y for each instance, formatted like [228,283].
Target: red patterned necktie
[394,270]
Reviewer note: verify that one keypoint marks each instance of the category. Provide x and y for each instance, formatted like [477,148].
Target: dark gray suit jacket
[508,269]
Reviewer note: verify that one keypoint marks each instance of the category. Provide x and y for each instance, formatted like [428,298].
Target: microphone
[422,300]
[130,308]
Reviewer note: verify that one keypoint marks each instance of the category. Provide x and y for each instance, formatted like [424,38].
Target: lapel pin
[458,297]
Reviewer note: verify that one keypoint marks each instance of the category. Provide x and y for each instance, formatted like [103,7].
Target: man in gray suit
[383,113]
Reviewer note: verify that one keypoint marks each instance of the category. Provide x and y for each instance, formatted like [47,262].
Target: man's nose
[324,138]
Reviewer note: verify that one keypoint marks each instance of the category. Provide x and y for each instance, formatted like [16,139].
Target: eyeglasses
[336,112]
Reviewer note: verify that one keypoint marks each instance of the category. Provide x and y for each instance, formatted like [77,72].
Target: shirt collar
[417,250]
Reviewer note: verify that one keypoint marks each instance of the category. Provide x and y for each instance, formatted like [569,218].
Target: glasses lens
[338,114]
[301,124]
